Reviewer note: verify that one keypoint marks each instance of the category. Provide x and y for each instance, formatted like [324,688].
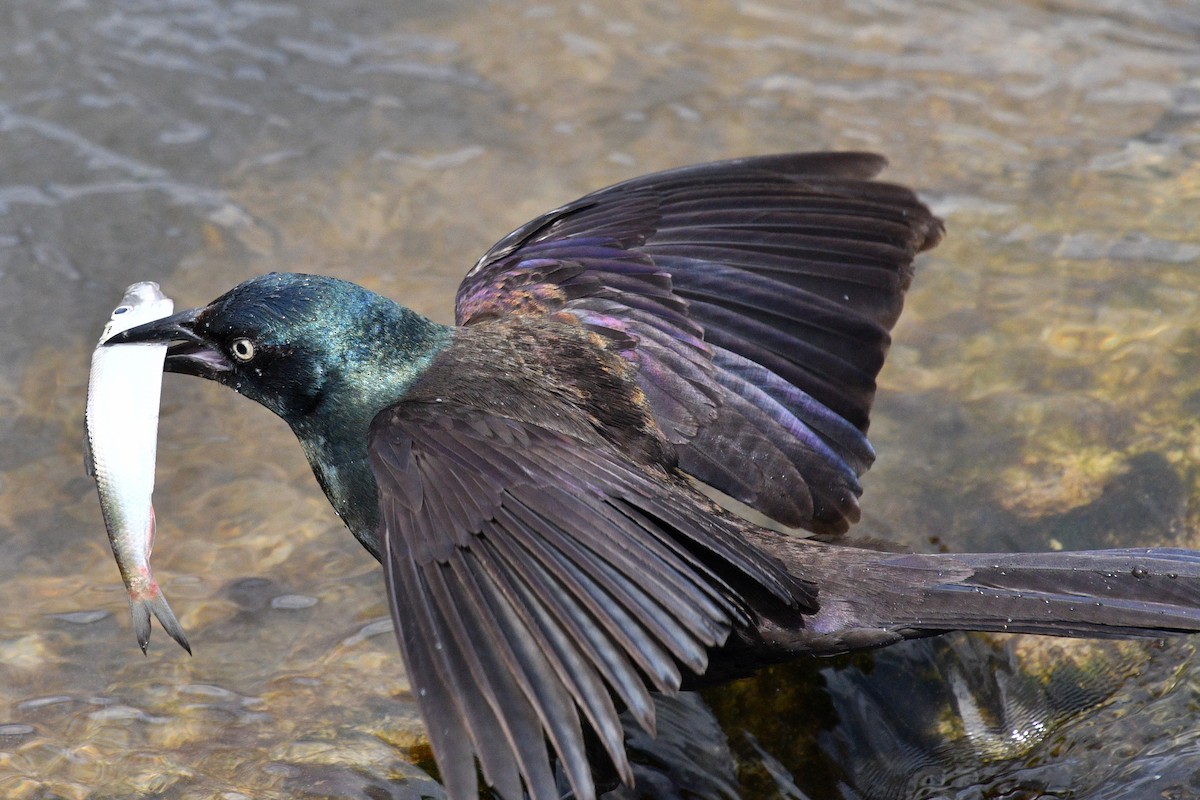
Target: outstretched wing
[538,582]
[755,295]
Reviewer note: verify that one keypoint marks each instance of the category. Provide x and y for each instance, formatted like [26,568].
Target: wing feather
[755,297]
[584,638]
[537,581]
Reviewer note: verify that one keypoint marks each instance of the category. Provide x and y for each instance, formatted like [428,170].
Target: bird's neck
[375,375]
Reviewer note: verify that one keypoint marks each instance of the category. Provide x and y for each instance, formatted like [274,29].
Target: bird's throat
[372,377]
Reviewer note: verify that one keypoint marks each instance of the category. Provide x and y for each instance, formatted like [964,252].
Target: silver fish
[122,437]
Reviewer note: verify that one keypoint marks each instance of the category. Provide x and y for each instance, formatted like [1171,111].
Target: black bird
[526,477]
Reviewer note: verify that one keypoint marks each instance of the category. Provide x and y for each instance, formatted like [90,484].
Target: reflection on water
[966,716]
[1043,389]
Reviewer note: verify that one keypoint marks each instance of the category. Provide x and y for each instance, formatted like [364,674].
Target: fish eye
[242,349]
[121,310]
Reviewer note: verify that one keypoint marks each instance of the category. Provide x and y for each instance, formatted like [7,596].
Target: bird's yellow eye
[242,349]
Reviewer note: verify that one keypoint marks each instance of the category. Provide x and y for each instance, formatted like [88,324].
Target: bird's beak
[189,353]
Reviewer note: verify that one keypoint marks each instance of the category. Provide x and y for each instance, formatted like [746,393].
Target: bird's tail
[869,597]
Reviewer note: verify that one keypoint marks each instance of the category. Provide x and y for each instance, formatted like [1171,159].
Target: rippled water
[1043,390]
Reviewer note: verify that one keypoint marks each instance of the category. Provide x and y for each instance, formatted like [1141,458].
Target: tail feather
[871,598]
[1105,593]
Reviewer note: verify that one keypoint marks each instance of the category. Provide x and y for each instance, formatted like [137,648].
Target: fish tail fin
[140,614]
[156,602]
[153,600]
[875,598]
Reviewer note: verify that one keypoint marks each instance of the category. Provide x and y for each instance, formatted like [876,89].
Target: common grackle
[526,477]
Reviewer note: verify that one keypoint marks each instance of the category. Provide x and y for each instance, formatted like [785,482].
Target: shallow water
[1042,391]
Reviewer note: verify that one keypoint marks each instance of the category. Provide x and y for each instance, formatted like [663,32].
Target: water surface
[1043,390]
